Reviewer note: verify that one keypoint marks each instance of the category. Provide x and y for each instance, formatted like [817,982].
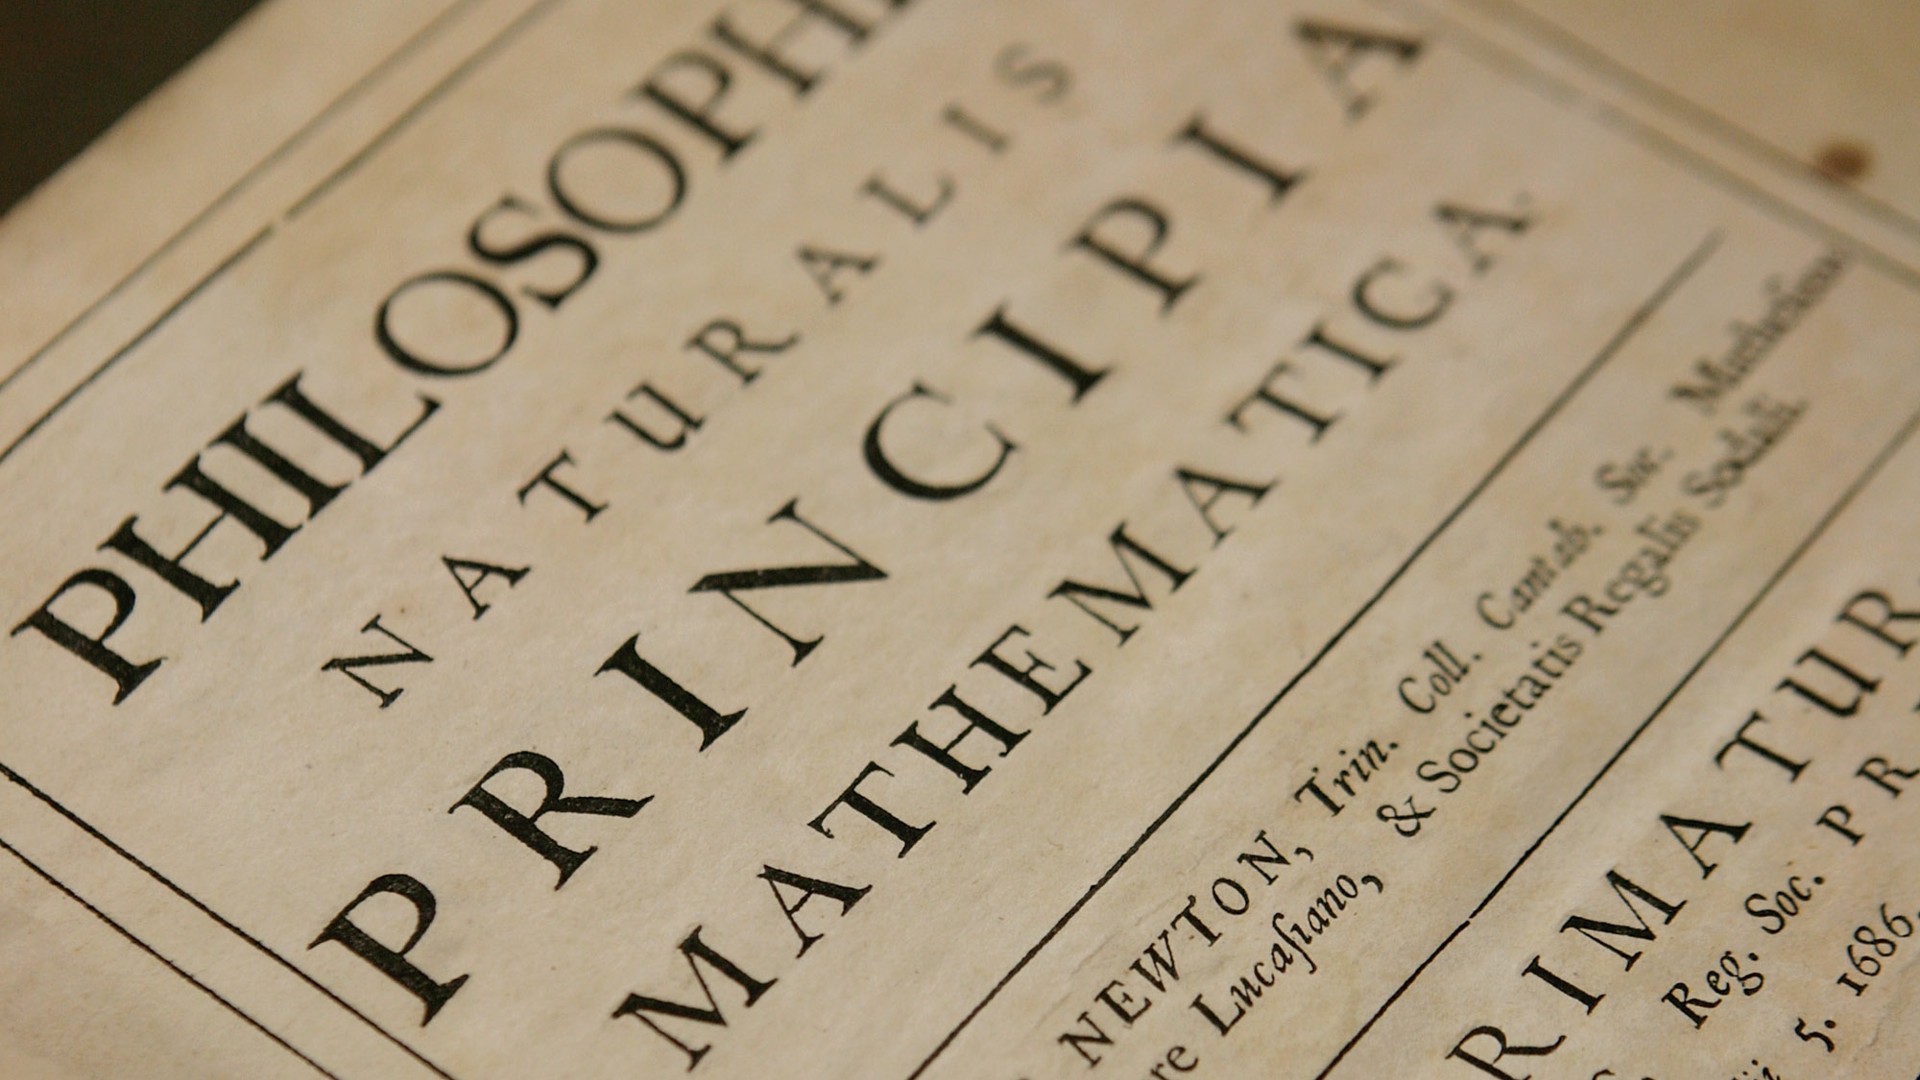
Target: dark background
[70,68]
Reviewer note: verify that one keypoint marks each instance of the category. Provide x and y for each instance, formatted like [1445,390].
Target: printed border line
[171,966]
[26,785]
[1634,322]
[1682,155]
[1602,63]
[1522,72]
[357,89]
[1503,61]
[439,89]
[466,68]
[1706,169]
[1846,499]
[138,339]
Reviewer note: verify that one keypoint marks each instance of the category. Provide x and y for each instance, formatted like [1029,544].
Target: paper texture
[924,540]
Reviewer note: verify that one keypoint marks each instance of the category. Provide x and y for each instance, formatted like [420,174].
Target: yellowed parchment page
[777,538]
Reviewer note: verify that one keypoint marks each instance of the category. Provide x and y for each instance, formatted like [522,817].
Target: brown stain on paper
[1843,161]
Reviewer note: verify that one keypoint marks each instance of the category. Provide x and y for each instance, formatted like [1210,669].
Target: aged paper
[920,540]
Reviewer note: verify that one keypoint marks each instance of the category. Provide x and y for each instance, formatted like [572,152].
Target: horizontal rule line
[1846,499]
[1634,322]
[353,92]
[1526,73]
[138,339]
[155,953]
[486,52]
[1604,65]
[434,93]
[222,921]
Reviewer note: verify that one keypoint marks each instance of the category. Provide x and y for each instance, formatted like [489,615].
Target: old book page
[922,540]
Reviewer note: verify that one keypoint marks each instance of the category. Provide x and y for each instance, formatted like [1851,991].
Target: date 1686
[1873,944]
